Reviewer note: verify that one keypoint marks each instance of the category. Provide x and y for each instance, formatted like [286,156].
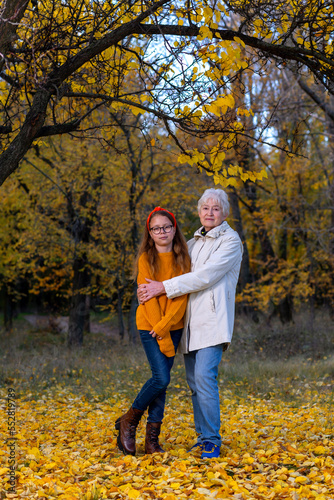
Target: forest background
[109,108]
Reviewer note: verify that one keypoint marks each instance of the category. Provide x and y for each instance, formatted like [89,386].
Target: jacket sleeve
[151,308]
[175,312]
[220,262]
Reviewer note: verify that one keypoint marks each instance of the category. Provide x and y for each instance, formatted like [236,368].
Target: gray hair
[217,195]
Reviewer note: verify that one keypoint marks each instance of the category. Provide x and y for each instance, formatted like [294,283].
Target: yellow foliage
[78,458]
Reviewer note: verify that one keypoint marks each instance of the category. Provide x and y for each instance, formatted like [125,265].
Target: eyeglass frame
[162,228]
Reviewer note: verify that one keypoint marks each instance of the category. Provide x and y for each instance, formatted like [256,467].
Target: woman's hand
[152,332]
[150,290]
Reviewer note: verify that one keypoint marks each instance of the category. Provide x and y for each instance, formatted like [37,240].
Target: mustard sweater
[160,313]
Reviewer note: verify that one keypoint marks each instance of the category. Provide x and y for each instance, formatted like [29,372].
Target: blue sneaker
[197,445]
[210,450]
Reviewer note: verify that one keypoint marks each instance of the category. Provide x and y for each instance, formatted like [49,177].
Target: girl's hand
[152,332]
[141,294]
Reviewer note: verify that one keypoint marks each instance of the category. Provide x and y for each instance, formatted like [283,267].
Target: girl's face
[162,232]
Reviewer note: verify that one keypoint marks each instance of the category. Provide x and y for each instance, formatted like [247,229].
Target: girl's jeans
[153,393]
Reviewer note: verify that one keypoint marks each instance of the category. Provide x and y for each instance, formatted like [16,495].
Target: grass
[267,360]
[276,412]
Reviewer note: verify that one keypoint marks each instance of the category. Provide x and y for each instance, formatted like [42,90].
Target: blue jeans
[153,393]
[202,373]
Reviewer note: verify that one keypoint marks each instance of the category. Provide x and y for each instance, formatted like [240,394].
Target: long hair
[181,259]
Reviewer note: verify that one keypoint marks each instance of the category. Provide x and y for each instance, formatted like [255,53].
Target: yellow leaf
[133,493]
[50,466]
[238,40]
[319,450]
[203,491]
[136,111]
[301,479]
[33,453]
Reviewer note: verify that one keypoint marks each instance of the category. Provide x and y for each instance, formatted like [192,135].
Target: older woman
[216,254]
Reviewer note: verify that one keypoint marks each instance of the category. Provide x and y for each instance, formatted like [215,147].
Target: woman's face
[166,232]
[211,215]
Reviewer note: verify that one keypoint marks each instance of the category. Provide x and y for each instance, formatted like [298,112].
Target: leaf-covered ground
[66,448]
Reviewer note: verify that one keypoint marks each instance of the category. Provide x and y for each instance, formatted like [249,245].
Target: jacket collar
[213,233]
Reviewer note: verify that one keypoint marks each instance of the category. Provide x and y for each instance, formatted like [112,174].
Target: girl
[163,254]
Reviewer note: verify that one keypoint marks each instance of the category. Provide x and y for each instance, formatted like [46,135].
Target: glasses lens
[166,229]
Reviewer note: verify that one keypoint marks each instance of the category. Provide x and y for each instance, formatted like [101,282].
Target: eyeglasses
[157,230]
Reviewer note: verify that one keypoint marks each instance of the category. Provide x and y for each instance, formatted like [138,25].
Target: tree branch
[5,129]
[11,13]
[316,98]
[35,118]
[284,52]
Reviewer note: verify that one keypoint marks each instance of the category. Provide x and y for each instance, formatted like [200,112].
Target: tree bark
[87,316]
[132,327]
[8,310]
[80,229]
[11,13]
[78,306]
[245,272]
[284,308]
[120,319]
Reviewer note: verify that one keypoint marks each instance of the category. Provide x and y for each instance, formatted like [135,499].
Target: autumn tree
[61,61]
[178,66]
[293,265]
[83,209]
[324,109]
[14,269]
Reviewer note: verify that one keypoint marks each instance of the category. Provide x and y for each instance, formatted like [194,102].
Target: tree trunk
[80,229]
[120,319]
[78,307]
[8,310]
[132,327]
[87,315]
[245,273]
[285,310]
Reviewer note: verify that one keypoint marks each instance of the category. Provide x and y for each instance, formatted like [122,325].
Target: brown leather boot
[127,425]
[152,438]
